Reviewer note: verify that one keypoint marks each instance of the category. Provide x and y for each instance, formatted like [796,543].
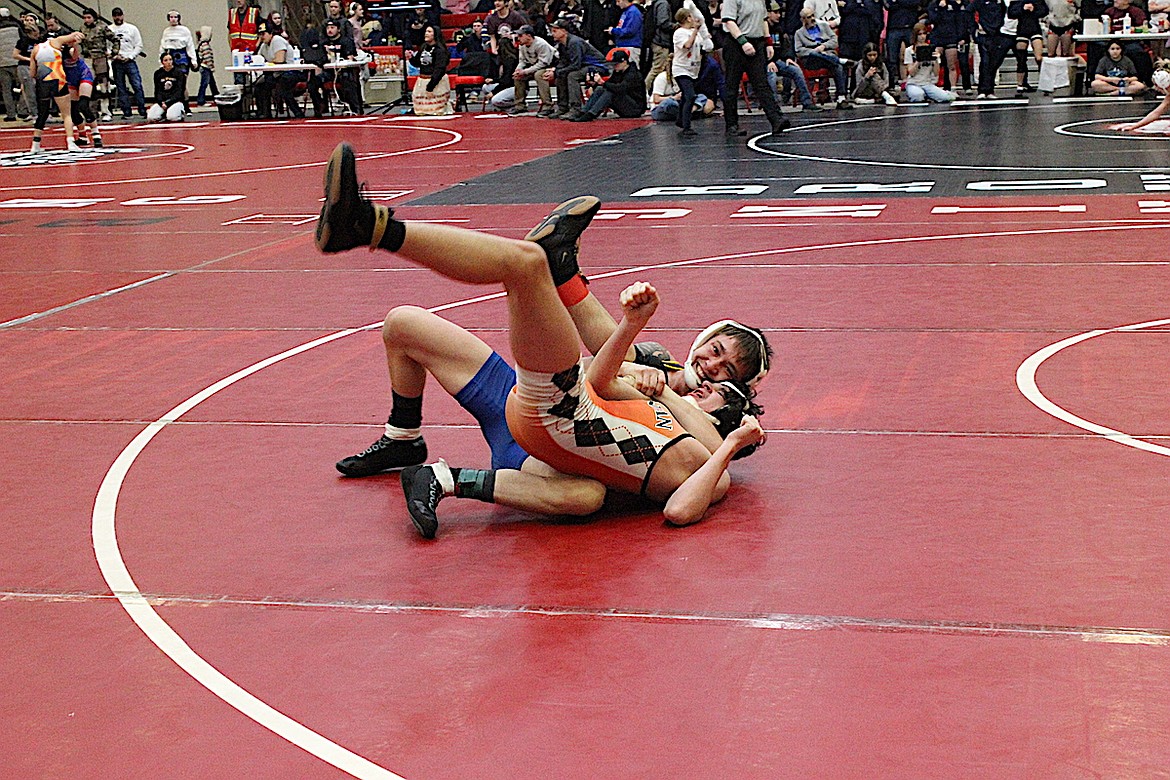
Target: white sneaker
[889,99]
[864,101]
[106,116]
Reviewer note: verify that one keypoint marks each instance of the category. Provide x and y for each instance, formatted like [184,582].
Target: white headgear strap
[691,375]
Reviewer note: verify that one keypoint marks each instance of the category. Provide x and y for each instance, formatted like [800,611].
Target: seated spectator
[816,45]
[536,57]
[624,91]
[168,92]
[1116,74]
[783,63]
[313,53]
[577,60]
[277,84]
[664,100]
[432,89]
[922,76]
[1132,49]
[871,78]
[471,39]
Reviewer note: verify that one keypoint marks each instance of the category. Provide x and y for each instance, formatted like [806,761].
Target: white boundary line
[107,158]
[753,143]
[1026,382]
[1064,130]
[455,138]
[117,576]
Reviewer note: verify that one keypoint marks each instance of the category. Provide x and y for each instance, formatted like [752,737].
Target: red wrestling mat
[922,573]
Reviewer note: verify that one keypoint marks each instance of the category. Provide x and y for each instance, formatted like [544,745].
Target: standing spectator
[333,11]
[339,46]
[600,16]
[432,89]
[871,79]
[502,24]
[577,60]
[624,91]
[1025,15]
[206,62]
[536,58]
[357,18]
[627,33]
[243,35]
[31,34]
[1063,16]
[126,64]
[951,36]
[96,47]
[55,27]
[855,29]
[817,46]
[179,41]
[783,62]
[747,52]
[9,78]
[169,92]
[901,16]
[993,44]
[658,38]
[277,85]
[827,11]
[691,40]
[313,53]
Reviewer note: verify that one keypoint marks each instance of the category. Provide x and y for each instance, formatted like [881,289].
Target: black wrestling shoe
[781,126]
[347,218]
[383,455]
[423,494]
[559,235]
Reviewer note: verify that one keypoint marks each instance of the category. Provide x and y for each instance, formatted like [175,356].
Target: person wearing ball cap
[1161,81]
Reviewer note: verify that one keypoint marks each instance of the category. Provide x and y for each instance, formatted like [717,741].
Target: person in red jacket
[243,32]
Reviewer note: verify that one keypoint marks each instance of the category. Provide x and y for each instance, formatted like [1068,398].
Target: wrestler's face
[719,360]
[710,397]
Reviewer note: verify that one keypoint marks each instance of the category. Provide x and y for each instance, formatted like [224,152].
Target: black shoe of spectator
[559,112]
[814,107]
[347,219]
[423,494]
[383,455]
[734,132]
[127,116]
[584,116]
[781,126]
[559,235]
[9,119]
[687,132]
[1029,88]
[571,115]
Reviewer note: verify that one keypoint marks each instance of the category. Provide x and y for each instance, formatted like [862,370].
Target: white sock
[402,434]
[36,146]
[72,146]
[444,475]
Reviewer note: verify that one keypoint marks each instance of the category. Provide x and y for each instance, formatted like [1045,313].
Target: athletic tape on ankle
[573,291]
[381,221]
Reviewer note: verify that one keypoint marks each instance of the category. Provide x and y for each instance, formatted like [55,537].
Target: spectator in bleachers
[472,39]
[952,24]
[993,44]
[536,57]
[901,16]
[816,44]
[577,60]
[871,79]
[416,29]
[783,63]
[922,71]
[334,11]
[627,33]
[169,93]
[624,91]
[1063,16]
[1025,16]
[357,18]
[96,48]
[277,85]
[1116,74]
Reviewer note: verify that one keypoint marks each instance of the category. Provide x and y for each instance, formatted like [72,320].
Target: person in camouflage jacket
[96,48]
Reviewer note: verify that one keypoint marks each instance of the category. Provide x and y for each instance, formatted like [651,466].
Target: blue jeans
[206,83]
[794,74]
[687,104]
[667,110]
[830,62]
[122,71]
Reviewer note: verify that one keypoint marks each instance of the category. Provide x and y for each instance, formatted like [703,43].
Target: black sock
[405,412]
[479,484]
[394,236]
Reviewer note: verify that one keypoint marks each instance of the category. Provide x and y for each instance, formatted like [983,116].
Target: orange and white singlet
[559,419]
[50,66]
